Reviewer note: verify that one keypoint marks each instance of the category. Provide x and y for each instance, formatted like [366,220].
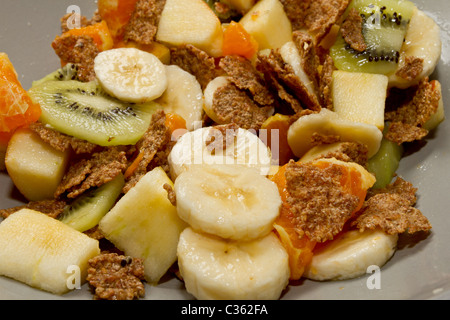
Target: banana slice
[191,149]
[216,269]
[327,122]
[423,40]
[291,56]
[229,201]
[130,74]
[350,254]
[211,87]
[183,96]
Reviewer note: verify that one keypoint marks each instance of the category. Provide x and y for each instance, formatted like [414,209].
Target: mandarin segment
[16,107]
[237,41]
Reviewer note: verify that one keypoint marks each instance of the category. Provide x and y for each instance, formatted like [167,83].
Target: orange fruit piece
[117,14]
[354,180]
[237,41]
[99,32]
[16,107]
[176,124]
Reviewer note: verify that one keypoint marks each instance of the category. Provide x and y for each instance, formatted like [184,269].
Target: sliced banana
[130,74]
[291,56]
[216,269]
[210,89]
[422,40]
[327,122]
[229,201]
[183,96]
[192,149]
[350,254]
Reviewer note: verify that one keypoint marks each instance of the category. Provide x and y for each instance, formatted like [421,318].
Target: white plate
[420,269]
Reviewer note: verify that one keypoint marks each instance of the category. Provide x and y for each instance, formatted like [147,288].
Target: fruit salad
[238,146]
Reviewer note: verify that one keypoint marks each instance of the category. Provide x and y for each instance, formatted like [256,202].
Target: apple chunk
[190,22]
[34,166]
[268,24]
[144,224]
[360,97]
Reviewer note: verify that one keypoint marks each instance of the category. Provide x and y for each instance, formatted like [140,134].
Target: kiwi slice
[86,211]
[68,72]
[385,163]
[85,111]
[384,26]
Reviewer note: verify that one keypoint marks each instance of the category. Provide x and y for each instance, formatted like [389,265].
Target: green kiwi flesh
[86,211]
[385,23]
[85,111]
[68,72]
[385,163]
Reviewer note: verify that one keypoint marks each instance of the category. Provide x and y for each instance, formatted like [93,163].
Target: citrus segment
[237,41]
[16,107]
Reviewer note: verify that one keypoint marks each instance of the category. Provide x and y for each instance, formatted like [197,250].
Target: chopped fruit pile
[239,145]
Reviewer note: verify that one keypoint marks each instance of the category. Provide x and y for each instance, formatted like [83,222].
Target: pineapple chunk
[190,22]
[144,224]
[42,252]
[34,166]
[360,97]
[268,24]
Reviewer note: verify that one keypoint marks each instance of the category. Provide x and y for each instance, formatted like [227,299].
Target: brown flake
[325,82]
[143,24]
[196,62]
[170,194]
[243,74]
[153,141]
[116,277]
[52,207]
[411,68]
[391,210]
[283,79]
[80,50]
[351,31]
[221,136]
[60,141]
[321,15]
[408,115]
[93,171]
[232,105]
[319,205]
[296,12]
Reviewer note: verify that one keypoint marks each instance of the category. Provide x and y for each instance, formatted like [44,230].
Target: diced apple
[35,167]
[144,224]
[268,24]
[360,97]
[190,22]
[43,252]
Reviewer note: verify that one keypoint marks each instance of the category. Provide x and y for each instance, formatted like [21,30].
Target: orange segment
[16,106]
[116,13]
[174,122]
[237,41]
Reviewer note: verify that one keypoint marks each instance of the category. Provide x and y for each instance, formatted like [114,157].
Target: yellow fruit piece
[43,252]
[190,22]
[360,97]
[34,166]
[268,24]
[144,224]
